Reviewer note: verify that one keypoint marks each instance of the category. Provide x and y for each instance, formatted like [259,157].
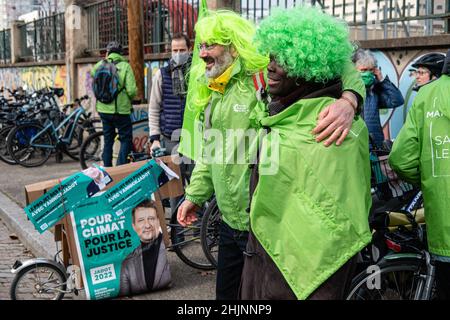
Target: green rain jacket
[421,155]
[127,81]
[230,178]
[311,216]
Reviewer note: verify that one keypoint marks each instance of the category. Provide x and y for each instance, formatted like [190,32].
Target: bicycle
[407,272]
[398,265]
[209,232]
[31,145]
[44,279]
[187,242]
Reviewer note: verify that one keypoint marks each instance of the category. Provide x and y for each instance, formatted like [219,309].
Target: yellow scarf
[219,84]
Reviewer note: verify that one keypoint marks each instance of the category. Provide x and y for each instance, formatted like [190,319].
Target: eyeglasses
[207,47]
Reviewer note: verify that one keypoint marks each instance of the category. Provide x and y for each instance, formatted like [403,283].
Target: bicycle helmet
[433,62]
[114,47]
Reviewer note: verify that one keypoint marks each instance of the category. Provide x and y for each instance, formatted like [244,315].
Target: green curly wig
[306,42]
[226,28]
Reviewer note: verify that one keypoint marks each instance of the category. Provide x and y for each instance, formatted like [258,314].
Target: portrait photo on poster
[100,180]
[146,268]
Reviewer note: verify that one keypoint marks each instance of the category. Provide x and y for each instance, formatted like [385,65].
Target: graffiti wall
[397,65]
[34,78]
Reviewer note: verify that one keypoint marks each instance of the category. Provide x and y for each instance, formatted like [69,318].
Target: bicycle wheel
[22,152]
[209,232]
[41,281]
[400,279]
[4,154]
[187,244]
[80,134]
[92,150]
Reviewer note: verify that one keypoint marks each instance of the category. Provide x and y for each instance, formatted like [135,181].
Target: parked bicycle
[31,145]
[396,265]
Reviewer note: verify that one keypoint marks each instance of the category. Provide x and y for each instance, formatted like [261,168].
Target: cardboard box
[172,189]
[63,231]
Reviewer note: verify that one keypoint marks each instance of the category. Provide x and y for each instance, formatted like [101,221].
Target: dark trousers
[262,280]
[123,124]
[443,280]
[230,262]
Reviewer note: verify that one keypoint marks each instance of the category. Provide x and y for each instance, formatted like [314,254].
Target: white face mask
[180,58]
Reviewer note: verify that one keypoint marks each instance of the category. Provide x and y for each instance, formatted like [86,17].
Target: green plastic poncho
[311,216]
[421,155]
[230,179]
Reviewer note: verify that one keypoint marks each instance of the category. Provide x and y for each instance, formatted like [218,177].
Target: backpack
[106,82]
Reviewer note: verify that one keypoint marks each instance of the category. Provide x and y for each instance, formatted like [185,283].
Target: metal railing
[43,39]
[5,46]
[108,21]
[164,18]
[370,19]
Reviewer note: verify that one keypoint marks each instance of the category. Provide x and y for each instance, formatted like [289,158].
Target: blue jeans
[230,264]
[123,124]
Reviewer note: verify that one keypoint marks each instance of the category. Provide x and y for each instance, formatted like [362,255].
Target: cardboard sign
[121,252]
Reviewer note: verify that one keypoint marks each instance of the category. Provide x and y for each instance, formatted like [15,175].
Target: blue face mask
[368,78]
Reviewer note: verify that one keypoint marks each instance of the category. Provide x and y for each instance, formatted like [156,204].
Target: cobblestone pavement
[10,250]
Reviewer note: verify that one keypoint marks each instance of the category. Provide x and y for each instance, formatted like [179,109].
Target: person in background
[421,156]
[167,103]
[381,93]
[115,110]
[428,68]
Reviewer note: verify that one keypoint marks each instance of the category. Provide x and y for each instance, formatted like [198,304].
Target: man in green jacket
[421,155]
[226,86]
[117,114]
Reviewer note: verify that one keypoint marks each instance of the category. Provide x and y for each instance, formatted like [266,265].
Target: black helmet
[433,62]
[114,47]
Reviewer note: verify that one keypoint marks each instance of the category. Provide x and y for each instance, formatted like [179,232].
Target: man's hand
[187,213]
[155,145]
[378,74]
[335,123]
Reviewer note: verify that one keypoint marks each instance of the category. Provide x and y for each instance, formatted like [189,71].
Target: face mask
[180,58]
[368,78]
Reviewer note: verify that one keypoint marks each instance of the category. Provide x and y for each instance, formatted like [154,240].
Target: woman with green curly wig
[309,220]
[223,94]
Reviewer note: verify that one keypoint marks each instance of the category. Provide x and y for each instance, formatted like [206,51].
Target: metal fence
[370,19]
[5,46]
[43,39]
[108,21]
[164,18]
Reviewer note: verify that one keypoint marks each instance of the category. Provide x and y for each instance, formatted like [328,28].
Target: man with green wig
[309,220]
[225,93]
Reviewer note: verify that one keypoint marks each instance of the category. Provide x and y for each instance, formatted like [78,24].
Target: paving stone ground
[10,250]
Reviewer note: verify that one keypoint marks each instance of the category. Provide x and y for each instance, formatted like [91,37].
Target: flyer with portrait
[119,238]
[50,208]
